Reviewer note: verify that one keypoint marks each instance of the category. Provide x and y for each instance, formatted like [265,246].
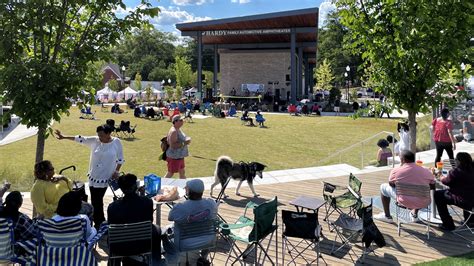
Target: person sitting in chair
[195,209]
[409,173]
[133,208]
[245,117]
[259,118]
[461,185]
[23,227]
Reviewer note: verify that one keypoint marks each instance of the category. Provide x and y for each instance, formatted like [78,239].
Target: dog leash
[204,158]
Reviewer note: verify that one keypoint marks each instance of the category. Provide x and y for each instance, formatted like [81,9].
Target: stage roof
[263,31]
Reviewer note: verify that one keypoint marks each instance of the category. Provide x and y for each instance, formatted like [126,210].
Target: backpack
[164,147]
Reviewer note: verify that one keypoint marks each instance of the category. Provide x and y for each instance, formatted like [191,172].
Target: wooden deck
[404,250]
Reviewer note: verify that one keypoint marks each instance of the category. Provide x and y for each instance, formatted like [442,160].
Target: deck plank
[404,250]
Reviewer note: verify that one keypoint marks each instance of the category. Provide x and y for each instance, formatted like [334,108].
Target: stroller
[80,189]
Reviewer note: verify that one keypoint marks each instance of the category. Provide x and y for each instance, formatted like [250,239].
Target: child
[383,153]
[259,118]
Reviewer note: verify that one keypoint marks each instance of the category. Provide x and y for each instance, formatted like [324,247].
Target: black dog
[226,168]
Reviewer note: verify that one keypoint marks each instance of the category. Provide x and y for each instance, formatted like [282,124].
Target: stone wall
[254,67]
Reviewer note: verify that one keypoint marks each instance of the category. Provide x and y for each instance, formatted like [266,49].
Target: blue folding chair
[7,242]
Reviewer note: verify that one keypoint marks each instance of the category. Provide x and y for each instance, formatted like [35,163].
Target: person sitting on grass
[259,119]
[245,117]
[407,173]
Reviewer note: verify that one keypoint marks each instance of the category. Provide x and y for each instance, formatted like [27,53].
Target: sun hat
[176,118]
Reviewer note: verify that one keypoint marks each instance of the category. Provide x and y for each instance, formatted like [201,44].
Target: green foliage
[178,92]
[183,72]
[113,85]
[409,42]
[333,94]
[169,93]
[149,52]
[138,81]
[148,93]
[324,75]
[46,48]
[331,47]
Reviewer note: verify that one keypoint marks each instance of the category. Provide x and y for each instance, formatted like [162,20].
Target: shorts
[175,165]
[336,108]
[388,191]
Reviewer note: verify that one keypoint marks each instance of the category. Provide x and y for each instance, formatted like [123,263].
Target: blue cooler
[152,184]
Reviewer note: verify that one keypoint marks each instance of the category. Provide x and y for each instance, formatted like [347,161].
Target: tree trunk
[412,124]
[40,144]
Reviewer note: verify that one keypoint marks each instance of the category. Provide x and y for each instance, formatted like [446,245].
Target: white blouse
[103,160]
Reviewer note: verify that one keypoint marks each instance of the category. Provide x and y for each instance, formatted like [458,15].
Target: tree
[409,42]
[146,51]
[45,49]
[331,47]
[183,72]
[324,75]
[169,93]
[138,81]
[113,85]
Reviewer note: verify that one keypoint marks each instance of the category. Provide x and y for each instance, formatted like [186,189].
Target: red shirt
[441,129]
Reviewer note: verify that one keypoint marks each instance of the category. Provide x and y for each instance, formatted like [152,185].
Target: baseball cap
[176,118]
[195,185]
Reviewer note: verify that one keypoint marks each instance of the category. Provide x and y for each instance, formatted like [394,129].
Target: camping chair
[202,234]
[253,232]
[305,227]
[7,242]
[342,197]
[130,240]
[126,130]
[86,113]
[188,117]
[111,123]
[403,214]
[63,243]
[357,230]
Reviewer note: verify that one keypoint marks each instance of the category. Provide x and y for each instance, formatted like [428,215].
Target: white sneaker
[381,217]
[414,219]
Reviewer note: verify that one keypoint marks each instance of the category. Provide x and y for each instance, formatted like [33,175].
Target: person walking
[106,159]
[337,107]
[178,148]
[443,135]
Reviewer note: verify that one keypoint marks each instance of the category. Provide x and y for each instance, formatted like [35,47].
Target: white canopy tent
[155,92]
[106,94]
[127,93]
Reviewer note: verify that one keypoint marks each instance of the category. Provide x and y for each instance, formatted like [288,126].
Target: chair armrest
[225,228]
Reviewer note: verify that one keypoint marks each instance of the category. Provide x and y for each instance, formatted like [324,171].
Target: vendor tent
[127,93]
[106,94]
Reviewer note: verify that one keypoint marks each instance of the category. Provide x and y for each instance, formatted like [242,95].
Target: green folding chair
[253,232]
[342,197]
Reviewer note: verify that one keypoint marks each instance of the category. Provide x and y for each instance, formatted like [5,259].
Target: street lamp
[348,76]
[463,67]
[169,81]
[123,75]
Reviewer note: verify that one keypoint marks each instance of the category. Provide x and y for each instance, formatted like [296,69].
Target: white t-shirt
[104,159]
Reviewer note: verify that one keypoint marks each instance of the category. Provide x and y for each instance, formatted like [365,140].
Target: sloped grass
[462,260]
[287,142]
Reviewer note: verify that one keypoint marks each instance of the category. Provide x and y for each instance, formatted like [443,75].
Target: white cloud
[241,1]
[174,15]
[191,2]
[324,9]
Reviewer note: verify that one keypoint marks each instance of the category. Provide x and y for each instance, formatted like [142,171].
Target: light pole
[463,67]
[123,76]
[347,75]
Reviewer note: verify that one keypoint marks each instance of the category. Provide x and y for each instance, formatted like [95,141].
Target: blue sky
[179,11]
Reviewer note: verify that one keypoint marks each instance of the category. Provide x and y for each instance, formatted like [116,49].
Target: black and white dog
[241,171]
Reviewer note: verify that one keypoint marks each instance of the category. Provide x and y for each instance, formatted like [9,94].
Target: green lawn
[288,142]
[466,259]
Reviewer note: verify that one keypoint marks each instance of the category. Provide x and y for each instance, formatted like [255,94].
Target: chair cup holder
[225,230]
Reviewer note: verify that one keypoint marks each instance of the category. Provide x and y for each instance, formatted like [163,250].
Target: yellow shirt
[45,195]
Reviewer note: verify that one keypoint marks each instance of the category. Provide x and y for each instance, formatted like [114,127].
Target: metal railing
[360,144]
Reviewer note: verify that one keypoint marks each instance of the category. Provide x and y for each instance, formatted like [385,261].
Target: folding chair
[111,123]
[342,197]
[7,242]
[305,227]
[132,240]
[63,243]
[202,235]
[254,232]
[357,230]
[403,213]
[466,226]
